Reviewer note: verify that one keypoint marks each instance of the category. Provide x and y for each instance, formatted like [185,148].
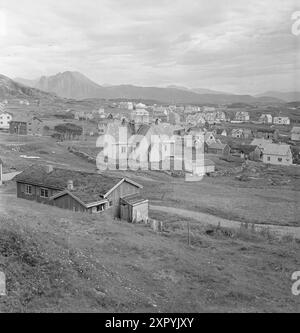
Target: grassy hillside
[57,261]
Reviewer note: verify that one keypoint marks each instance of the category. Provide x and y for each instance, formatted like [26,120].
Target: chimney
[49,168]
[70,185]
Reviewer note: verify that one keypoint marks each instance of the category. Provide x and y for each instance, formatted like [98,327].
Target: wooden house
[217,148]
[76,190]
[26,126]
[247,152]
[266,133]
[295,134]
[278,154]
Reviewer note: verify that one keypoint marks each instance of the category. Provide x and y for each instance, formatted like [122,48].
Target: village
[193,142]
[191,195]
[149,159]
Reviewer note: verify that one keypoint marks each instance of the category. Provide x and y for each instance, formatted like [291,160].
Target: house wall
[5,119]
[281,120]
[16,127]
[67,202]
[35,127]
[295,137]
[273,159]
[121,191]
[140,212]
[36,193]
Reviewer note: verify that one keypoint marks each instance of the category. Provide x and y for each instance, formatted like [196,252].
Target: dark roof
[86,185]
[133,199]
[246,149]
[266,130]
[220,130]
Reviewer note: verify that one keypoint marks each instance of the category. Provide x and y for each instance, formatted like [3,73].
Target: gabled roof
[85,199]
[277,149]
[134,199]
[245,149]
[87,186]
[296,130]
[260,142]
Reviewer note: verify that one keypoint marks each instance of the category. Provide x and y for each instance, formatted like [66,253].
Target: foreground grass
[58,261]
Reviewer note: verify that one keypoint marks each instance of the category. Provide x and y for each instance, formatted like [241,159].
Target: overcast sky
[241,46]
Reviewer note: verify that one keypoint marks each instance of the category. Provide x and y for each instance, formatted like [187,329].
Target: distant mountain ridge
[74,85]
[12,89]
[199,90]
[292,96]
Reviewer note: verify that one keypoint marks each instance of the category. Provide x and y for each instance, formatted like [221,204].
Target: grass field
[59,261]
[254,201]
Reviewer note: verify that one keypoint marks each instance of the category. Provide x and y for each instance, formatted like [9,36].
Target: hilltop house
[279,154]
[266,118]
[241,133]
[217,148]
[282,120]
[82,192]
[220,132]
[247,152]
[26,126]
[242,116]
[210,138]
[5,119]
[295,134]
[266,133]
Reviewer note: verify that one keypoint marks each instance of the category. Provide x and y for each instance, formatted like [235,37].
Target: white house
[266,118]
[242,116]
[278,154]
[5,119]
[282,120]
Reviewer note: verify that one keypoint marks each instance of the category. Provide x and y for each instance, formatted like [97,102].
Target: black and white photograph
[149,159]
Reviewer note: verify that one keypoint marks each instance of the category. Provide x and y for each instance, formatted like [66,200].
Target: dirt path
[213,220]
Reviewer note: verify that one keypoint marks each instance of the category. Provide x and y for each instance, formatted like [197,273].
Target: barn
[75,190]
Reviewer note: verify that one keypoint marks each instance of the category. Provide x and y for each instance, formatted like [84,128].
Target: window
[100,208]
[279,159]
[44,193]
[28,189]
[123,150]
[110,203]
[269,158]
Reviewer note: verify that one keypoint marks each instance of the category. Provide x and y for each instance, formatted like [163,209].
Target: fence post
[189,234]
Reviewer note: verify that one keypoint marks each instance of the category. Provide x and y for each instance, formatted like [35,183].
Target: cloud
[233,44]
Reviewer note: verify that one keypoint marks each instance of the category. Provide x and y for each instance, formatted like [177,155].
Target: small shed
[134,208]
